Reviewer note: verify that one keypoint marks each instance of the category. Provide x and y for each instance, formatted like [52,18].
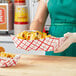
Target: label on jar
[3,16]
[21,15]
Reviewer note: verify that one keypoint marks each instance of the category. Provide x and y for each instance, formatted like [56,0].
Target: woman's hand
[70,38]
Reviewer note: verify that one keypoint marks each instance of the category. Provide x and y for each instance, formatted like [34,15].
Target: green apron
[63,20]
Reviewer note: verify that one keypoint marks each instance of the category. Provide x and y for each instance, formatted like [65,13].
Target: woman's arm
[70,38]
[40,17]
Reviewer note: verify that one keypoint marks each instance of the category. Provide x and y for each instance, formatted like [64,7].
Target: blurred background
[8,24]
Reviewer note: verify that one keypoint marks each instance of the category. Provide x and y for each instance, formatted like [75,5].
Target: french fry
[8,55]
[2,49]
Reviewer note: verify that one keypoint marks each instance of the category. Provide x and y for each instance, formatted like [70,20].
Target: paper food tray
[7,62]
[47,44]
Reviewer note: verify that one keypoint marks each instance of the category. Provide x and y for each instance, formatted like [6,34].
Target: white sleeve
[46,1]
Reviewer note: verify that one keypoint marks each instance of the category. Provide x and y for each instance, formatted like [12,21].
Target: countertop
[35,65]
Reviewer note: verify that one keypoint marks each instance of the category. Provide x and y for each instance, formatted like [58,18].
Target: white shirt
[46,1]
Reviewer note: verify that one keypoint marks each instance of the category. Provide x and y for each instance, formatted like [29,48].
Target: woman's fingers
[67,35]
[70,38]
[64,46]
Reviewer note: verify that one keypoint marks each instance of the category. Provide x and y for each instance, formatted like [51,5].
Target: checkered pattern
[48,44]
[6,62]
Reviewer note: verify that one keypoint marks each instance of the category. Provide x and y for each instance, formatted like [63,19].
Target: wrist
[74,37]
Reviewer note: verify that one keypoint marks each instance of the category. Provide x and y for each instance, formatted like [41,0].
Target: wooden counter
[30,65]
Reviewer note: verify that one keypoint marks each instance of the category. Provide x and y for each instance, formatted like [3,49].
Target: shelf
[5,38]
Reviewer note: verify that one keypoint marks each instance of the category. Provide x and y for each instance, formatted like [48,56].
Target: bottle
[21,19]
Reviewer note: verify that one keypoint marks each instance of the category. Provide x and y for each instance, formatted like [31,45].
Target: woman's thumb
[67,35]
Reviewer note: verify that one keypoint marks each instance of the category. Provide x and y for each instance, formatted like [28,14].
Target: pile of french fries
[33,35]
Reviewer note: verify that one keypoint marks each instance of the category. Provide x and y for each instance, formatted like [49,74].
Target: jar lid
[21,23]
[19,1]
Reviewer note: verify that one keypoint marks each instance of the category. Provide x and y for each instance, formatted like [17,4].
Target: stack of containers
[21,18]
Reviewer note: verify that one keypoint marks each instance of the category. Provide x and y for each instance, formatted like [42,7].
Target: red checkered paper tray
[7,62]
[47,44]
